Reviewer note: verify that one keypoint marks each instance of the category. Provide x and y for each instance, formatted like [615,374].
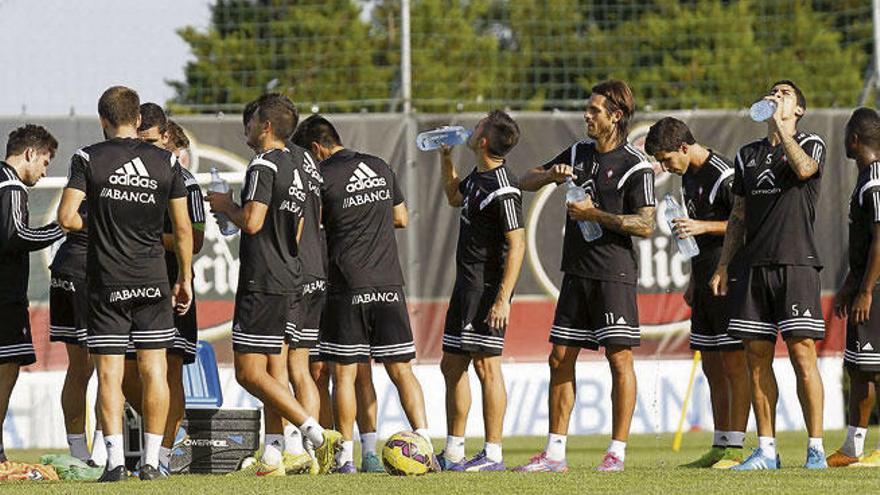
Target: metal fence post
[413,257]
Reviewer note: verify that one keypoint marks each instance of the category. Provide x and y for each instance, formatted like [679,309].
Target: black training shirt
[270,258]
[128,184]
[621,182]
[17,237]
[358,197]
[864,212]
[491,207]
[708,196]
[780,208]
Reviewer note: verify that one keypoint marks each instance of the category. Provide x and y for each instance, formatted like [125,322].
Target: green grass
[649,469]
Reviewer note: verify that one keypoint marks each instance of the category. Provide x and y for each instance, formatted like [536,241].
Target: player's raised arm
[538,177]
[804,156]
[451,180]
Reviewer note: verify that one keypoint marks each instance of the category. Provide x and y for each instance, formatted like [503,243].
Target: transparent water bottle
[762,110]
[687,246]
[575,194]
[450,135]
[218,185]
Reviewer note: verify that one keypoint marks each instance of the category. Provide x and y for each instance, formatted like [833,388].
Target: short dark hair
[618,96]
[801,99]
[248,112]
[277,109]
[501,132]
[667,134]
[176,135]
[119,106]
[316,129]
[152,115]
[30,136]
[865,123]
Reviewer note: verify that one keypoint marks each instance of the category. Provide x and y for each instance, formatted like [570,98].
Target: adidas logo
[134,174]
[868,347]
[808,314]
[364,178]
[621,321]
[768,177]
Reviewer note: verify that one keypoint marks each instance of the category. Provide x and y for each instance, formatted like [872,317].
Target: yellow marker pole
[88,424]
[676,442]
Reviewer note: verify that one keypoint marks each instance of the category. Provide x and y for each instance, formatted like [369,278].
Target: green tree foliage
[454,62]
[530,54]
[714,54]
[549,51]
[311,51]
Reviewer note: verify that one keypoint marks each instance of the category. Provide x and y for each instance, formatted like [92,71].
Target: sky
[58,56]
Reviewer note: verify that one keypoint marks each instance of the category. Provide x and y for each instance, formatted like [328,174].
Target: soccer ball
[406,454]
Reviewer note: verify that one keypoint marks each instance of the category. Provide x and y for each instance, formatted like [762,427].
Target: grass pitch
[650,468]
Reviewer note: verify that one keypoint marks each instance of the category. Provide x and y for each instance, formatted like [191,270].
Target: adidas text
[134,181]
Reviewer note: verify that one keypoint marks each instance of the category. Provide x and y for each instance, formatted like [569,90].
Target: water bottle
[218,185]
[450,135]
[574,194]
[762,110]
[687,246]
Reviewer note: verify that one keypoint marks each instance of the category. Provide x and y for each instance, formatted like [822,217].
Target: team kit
[321,294]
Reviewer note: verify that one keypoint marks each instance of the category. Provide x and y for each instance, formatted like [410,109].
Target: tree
[312,51]
[453,59]
[549,53]
[716,54]
[530,54]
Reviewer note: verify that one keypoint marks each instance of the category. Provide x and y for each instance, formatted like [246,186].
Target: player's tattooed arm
[640,225]
[538,177]
[733,241]
[803,165]
[736,231]
[861,302]
[451,180]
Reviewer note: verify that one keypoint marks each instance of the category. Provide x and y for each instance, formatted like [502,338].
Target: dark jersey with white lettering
[312,243]
[708,196]
[864,213]
[128,184]
[18,238]
[491,207]
[270,258]
[621,182]
[195,206]
[358,197]
[780,208]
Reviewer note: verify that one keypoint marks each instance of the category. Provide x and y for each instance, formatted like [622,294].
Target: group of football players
[320,293]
